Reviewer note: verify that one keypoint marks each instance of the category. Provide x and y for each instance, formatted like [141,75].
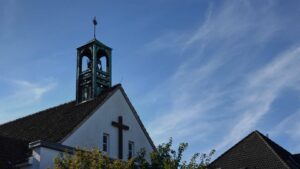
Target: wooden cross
[120,127]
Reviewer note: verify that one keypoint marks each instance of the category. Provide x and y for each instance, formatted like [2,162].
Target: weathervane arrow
[95,23]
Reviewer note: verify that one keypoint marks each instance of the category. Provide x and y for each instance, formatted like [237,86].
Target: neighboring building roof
[256,151]
[297,158]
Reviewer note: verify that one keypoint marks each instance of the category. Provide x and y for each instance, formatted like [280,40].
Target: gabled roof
[55,123]
[52,125]
[256,151]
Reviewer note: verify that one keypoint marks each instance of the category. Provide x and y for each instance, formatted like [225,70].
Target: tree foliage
[163,158]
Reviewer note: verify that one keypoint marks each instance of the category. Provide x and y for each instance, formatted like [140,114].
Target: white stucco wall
[90,133]
[48,156]
[42,158]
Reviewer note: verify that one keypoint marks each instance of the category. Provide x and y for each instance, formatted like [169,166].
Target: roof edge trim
[272,150]
[138,119]
[118,86]
[53,146]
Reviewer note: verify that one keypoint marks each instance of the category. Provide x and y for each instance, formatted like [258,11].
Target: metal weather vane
[95,24]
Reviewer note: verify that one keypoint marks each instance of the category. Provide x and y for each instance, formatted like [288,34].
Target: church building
[101,116]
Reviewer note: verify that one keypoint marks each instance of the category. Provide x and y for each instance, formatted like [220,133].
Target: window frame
[107,144]
[131,152]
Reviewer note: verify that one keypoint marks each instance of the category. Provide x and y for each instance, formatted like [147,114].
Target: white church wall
[48,156]
[43,158]
[89,134]
[36,158]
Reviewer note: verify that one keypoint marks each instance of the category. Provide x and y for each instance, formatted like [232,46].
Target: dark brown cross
[120,127]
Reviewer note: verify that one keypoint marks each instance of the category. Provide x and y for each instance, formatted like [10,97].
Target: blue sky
[201,71]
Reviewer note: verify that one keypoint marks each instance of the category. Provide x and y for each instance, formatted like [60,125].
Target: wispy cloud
[289,127]
[21,95]
[224,86]
[32,91]
[262,89]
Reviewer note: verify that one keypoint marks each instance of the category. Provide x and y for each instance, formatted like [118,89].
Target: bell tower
[93,69]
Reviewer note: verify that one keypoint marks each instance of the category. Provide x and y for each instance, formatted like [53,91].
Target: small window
[130,149]
[105,143]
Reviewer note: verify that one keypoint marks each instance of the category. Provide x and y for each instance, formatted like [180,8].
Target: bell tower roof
[94,41]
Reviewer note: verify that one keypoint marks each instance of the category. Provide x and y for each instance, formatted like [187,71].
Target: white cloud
[263,88]
[215,90]
[290,126]
[23,94]
[33,91]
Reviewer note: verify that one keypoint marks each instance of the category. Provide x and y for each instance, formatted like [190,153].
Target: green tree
[163,158]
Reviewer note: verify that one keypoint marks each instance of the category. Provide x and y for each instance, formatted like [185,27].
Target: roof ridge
[263,138]
[136,115]
[236,144]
